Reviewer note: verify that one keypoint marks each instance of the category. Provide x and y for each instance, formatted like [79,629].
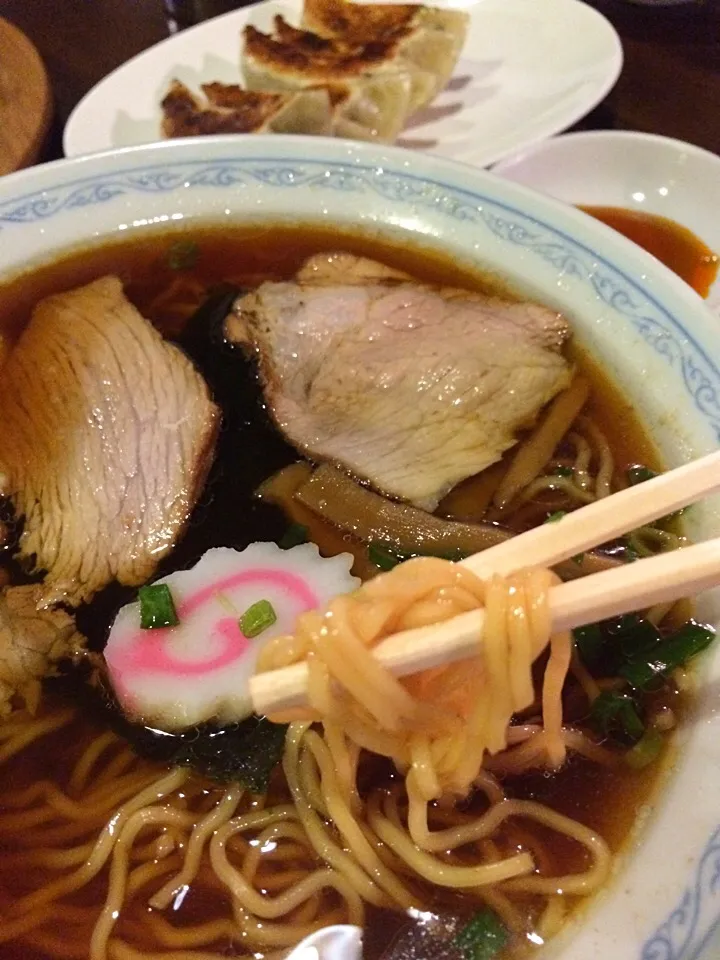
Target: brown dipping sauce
[674,245]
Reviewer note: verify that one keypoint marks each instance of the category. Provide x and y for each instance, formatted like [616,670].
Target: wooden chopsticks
[601,521]
[663,578]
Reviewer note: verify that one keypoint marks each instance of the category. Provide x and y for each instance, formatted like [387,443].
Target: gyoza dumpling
[230,109]
[426,37]
[378,56]
[370,92]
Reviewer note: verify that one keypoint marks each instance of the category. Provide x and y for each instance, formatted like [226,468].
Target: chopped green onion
[629,550]
[635,649]
[156,607]
[183,255]
[638,473]
[633,637]
[589,642]
[386,558]
[615,713]
[554,517]
[645,751]
[482,937]
[636,544]
[295,534]
[672,652]
[578,558]
[257,618]
[687,641]
[616,642]
[383,557]
[562,471]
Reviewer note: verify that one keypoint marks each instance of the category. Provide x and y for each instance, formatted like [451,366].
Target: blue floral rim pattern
[685,932]
[693,921]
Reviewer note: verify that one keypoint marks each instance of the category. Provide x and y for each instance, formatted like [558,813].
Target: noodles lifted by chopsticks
[437,726]
[442,728]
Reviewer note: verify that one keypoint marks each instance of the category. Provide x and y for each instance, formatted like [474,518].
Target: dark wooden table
[670,83]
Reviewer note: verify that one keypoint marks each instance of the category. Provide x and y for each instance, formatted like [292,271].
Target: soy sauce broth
[250,449]
[246,256]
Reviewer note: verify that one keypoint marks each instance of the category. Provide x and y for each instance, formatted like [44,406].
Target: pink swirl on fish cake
[148,651]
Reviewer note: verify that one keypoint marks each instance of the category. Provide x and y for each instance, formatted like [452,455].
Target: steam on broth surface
[207,867]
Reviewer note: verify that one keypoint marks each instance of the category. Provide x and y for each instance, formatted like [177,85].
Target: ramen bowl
[650,334]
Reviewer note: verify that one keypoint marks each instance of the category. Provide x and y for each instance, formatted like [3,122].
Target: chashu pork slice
[106,435]
[409,386]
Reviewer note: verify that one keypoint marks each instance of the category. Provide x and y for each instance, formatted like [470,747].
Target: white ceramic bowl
[639,171]
[648,329]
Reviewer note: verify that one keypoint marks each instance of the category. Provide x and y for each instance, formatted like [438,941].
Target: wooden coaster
[25,100]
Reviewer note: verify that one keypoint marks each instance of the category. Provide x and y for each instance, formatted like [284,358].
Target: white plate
[529,69]
[638,171]
[650,332]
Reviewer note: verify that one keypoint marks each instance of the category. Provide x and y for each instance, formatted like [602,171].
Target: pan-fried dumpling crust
[364,23]
[230,109]
[428,38]
[346,52]
[296,58]
[373,96]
